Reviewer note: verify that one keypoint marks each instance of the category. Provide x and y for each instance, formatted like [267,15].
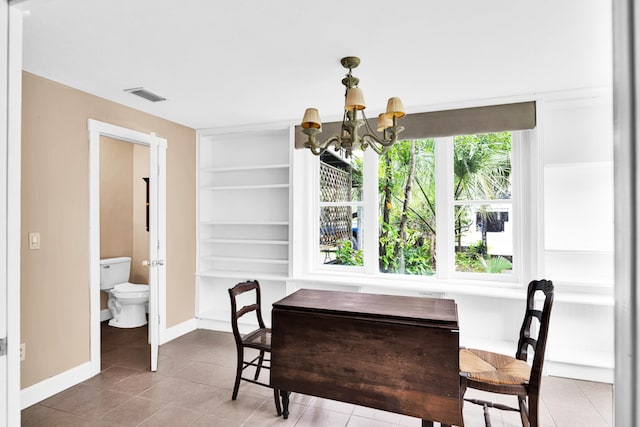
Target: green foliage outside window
[347,255]
[406,187]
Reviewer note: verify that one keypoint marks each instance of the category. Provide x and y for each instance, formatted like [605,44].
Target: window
[473,187]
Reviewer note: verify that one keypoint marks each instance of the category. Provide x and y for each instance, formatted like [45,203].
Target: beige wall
[55,202]
[116,198]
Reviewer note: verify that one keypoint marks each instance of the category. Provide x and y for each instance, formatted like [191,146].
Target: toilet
[127,301]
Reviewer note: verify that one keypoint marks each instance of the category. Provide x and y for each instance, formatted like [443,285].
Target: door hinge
[3,346]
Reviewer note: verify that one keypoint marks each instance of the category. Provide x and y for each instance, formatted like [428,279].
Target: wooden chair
[259,339]
[498,373]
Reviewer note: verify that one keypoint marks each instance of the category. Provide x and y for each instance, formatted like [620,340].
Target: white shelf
[241,259]
[244,168]
[245,187]
[242,222]
[241,275]
[246,241]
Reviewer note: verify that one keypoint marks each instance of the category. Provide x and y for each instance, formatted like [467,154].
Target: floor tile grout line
[543,403]
[584,393]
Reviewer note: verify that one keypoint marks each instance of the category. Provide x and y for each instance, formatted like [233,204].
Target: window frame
[445,256]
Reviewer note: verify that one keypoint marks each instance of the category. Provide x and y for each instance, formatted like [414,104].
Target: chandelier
[353,119]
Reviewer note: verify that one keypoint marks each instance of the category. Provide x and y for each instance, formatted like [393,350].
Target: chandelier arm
[316,147]
[371,132]
[377,139]
[381,146]
[393,132]
[367,141]
[378,145]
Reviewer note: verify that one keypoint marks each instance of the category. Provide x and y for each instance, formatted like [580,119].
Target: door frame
[10,415]
[157,297]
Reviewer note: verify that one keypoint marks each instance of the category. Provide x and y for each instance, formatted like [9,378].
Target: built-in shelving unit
[243,218]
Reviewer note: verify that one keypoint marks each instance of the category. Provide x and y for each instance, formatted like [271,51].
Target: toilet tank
[114,271]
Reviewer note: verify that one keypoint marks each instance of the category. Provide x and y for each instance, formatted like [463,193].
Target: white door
[157,225]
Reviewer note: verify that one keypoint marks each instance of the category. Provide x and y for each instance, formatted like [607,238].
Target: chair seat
[260,339]
[493,368]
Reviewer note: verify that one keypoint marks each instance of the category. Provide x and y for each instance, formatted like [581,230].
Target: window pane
[483,238]
[340,220]
[340,178]
[406,189]
[482,166]
[341,235]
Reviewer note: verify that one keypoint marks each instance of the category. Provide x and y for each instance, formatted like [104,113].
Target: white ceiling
[240,62]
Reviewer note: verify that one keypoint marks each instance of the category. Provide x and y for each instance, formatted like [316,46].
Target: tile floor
[193,388]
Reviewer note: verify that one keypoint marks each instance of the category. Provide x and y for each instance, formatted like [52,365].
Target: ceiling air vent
[144,93]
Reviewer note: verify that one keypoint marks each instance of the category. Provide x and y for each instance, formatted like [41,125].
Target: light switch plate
[34,241]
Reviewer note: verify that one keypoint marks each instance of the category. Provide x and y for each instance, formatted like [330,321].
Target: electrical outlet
[23,351]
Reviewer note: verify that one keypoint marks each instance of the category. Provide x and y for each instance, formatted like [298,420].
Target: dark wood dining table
[389,352]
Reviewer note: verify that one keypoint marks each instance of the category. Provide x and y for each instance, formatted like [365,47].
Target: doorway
[124,232]
[156,234]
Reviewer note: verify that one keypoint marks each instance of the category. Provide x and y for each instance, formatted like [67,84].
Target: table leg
[285,403]
[427,423]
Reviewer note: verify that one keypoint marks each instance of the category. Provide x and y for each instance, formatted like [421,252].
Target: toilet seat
[130,290]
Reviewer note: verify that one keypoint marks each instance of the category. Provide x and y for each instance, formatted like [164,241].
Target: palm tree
[482,171]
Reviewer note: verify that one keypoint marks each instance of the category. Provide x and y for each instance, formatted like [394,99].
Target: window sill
[449,288]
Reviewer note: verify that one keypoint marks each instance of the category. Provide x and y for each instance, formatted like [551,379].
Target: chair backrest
[538,344]
[238,289]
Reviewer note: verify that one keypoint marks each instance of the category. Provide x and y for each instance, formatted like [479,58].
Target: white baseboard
[214,325]
[178,330]
[579,372]
[105,314]
[47,388]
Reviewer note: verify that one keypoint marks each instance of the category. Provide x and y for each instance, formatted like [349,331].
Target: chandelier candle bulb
[311,119]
